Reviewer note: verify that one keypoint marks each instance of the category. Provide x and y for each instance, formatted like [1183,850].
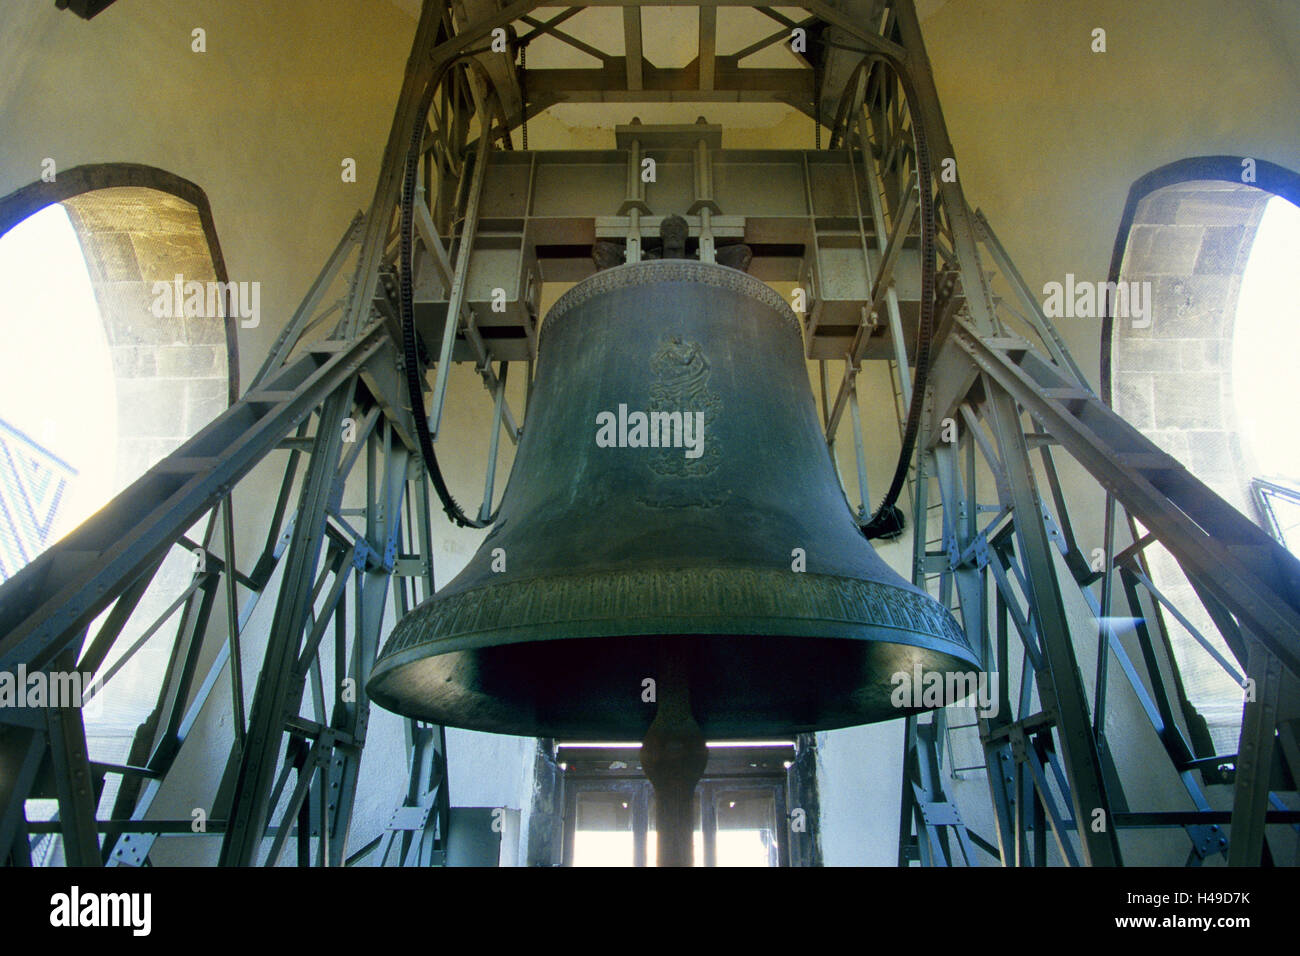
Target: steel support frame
[348,377]
[1033,547]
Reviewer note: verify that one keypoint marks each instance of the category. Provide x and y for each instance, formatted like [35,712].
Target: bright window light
[58,401]
[1266,344]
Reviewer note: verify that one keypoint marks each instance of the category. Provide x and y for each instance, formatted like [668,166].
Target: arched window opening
[97,384]
[1209,376]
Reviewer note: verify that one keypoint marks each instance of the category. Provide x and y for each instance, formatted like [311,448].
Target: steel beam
[255,773]
[75,785]
[706,57]
[729,83]
[1100,848]
[1227,554]
[72,582]
[632,47]
[1255,758]
[387,481]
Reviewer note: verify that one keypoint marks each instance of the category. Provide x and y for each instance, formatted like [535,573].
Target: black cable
[523,95]
[886,521]
[406,310]
[817,121]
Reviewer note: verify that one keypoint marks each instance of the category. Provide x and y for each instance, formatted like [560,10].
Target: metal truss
[1003,385]
[492,222]
[336,404]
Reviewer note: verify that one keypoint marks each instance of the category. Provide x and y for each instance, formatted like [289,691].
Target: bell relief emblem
[682,393]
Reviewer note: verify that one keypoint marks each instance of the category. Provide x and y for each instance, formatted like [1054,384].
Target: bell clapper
[673,756]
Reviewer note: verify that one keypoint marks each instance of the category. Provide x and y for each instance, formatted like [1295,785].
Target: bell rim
[614,628]
[694,587]
[739,596]
[514,716]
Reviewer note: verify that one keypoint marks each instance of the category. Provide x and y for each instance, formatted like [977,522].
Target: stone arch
[1189,229]
[138,225]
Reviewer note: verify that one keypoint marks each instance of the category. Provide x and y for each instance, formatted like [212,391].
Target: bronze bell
[671,475]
